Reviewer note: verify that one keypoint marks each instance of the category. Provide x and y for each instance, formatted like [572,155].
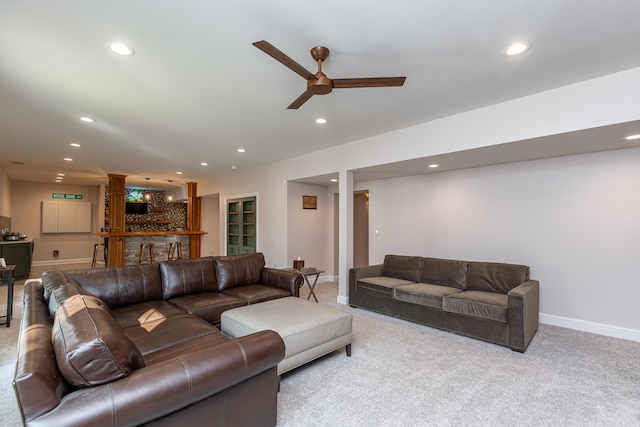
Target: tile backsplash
[5,223]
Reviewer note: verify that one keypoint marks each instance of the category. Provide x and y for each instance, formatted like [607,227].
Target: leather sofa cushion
[402,267]
[207,305]
[485,305]
[141,313]
[495,277]
[444,272]
[60,294]
[90,347]
[253,294]
[189,276]
[238,270]
[121,286]
[160,334]
[424,294]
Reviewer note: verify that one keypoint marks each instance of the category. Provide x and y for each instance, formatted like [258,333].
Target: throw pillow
[91,348]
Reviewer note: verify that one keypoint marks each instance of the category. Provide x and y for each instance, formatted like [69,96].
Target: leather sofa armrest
[157,390]
[289,280]
[523,308]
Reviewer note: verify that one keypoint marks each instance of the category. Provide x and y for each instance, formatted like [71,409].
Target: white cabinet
[66,217]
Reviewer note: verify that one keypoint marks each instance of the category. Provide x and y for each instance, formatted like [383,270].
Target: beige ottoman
[309,330]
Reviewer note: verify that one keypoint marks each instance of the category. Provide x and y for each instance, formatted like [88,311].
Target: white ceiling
[196,89]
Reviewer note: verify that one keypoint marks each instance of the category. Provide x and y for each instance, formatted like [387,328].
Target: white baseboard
[592,327]
[61,261]
[343,300]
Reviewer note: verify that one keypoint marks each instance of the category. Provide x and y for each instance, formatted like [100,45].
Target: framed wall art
[309,202]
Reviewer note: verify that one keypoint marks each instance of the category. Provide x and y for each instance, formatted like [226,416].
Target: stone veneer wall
[160,247]
[159,210]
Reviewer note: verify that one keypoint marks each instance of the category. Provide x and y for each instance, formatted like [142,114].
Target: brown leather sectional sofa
[495,302]
[137,345]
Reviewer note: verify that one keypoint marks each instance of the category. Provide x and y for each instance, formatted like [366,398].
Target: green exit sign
[66,196]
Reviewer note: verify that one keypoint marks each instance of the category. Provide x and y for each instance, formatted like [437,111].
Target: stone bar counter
[160,240]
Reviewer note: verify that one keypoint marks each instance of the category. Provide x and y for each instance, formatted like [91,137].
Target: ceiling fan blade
[300,100]
[278,55]
[368,82]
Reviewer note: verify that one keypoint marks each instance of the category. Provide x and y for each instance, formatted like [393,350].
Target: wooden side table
[8,272]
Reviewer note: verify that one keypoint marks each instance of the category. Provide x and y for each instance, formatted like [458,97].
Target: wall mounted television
[137,208]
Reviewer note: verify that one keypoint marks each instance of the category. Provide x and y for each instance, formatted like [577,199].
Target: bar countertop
[149,233]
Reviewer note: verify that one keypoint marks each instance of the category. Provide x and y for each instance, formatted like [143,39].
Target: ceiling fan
[319,83]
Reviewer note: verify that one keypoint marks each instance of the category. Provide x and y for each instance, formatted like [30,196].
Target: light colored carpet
[405,374]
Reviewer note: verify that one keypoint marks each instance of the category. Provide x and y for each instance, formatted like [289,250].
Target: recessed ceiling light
[68,159]
[179,173]
[517,48]
[433,165]
[88,119]
[204,164]
[75,144]
[334,179]
[632,137]
[234,167]
[241,150]
[321,120]
[60,174]
[122,49]
[58,181]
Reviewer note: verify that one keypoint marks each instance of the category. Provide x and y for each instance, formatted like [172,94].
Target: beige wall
[308,229]
[210,242]
[5,194]
[26,200]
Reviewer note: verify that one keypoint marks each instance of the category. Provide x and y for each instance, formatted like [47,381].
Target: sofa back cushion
[402,267]
[238,270]
[444,272]
[495,277]
[91,348]
[121,286]
[189,276]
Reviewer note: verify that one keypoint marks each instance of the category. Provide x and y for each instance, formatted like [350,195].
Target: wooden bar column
[116,219]
[193,219]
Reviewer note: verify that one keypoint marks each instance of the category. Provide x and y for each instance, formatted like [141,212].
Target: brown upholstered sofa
[495,302]
[137,345]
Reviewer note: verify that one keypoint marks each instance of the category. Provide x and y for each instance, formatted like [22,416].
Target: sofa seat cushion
[424,294]
[256,293]
[485,305]
[185,347]
[382,284]
[444,272]
[137,314]
[161,334]
[207,305]
[91,348]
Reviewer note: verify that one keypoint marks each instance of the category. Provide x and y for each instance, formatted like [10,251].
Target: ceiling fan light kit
[319,83]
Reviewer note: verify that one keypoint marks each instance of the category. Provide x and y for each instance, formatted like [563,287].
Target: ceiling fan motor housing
[321,85]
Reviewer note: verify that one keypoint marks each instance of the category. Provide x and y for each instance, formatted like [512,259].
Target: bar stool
[95,254]
[143,258]
[173,248]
